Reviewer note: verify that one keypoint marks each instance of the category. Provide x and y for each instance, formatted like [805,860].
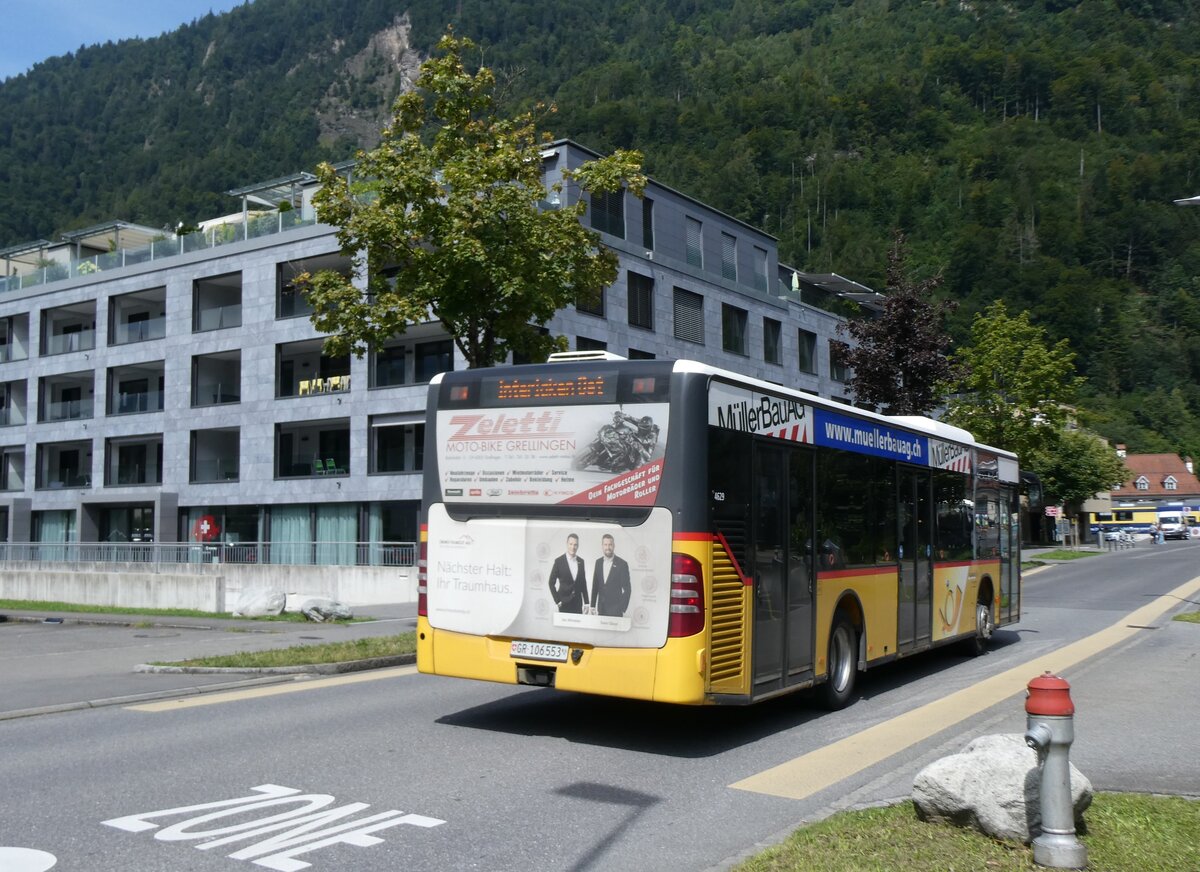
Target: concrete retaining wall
[209,588]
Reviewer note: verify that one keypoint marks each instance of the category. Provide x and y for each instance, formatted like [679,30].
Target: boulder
[992,786]
[321,609]
[259,602]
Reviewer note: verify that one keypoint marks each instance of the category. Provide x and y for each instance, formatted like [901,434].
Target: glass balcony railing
[132,402]
[139,331]
[69,410]
[172,246]
[219,469]
[217,317]
[83,340]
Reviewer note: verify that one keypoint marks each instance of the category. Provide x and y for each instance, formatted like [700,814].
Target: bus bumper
[673,673]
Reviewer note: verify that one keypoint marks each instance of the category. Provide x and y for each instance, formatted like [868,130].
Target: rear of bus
[548,553]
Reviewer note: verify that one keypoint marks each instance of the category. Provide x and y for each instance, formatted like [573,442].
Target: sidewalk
[58,661]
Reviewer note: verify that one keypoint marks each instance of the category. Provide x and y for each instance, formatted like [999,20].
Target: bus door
[782,566]
[1010,555]
[915,613]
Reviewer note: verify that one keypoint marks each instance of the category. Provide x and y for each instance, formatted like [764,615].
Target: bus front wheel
[843,662]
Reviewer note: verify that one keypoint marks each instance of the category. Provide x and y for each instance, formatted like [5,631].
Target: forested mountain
[1029,149]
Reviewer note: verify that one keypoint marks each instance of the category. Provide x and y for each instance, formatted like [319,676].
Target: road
[389,769]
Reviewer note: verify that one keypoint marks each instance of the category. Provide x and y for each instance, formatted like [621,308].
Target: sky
[34,30]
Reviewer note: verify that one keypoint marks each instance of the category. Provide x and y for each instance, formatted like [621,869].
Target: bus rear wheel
[978,644]
[843,662]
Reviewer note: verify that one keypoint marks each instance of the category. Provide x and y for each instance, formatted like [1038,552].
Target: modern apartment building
[171,388]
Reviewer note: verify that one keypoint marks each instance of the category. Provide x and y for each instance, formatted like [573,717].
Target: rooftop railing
[170,246]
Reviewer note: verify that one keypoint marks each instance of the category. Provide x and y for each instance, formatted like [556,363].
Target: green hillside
[1030,149]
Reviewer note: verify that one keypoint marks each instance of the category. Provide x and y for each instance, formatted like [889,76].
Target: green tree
[900,360]
[443,221]
[1075,465]
[1014,389]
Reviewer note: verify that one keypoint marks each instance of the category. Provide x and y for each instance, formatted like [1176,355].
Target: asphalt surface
[1116,689]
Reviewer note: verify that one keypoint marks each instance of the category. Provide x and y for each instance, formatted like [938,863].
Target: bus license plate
[539,651]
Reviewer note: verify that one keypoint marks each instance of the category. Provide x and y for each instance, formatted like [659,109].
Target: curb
[135,698]
[303,669]
[133,621]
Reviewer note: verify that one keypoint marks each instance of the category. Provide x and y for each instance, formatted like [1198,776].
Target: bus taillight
[423,578]
[687,596]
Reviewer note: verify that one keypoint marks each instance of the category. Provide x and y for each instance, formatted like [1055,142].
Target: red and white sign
[607,454]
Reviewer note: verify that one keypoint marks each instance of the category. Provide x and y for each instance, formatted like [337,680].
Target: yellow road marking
[813,772]
[170,705]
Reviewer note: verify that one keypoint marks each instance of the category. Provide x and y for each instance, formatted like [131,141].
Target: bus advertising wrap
[609,454]
[870,437]
[557,581]
[732,408]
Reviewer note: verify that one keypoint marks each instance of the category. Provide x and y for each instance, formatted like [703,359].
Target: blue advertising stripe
[869,437]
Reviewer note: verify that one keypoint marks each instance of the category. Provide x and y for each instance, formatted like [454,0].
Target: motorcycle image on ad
[625,444]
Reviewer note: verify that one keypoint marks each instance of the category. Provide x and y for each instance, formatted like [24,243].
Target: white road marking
[25,860]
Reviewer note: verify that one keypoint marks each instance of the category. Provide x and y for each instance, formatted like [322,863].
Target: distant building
[165,387]
[1156,479]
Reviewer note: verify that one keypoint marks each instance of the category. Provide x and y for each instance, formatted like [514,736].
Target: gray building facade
[168,388]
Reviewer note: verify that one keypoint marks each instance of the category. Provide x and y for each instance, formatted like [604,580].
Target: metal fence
[400,554]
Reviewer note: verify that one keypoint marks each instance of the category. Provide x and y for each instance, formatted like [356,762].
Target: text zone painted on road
[300,830]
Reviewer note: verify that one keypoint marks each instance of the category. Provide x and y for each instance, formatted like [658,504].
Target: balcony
[257,227]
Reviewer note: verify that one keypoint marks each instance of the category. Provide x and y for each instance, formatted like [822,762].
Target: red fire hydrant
[1050,729]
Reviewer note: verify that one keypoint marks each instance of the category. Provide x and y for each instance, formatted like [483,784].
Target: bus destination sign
[523,390]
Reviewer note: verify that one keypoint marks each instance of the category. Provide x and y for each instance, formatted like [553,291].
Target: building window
[1169,483]
[608,213]
[837,361]
[695,249]
[214,455]
[138,388]
[689,316]
[133,460]
[387,366]
[217,303]
[397,444]
[760,269]
[590,303]
[432,358]
[641,300]
[583,343]
[638,354]
[137,317]
[733,329]
[728,257]
[1142,483]
[290,302]
[12,468]
[69,328]
[772,331]
[216,378]
[808,351]
[648,223]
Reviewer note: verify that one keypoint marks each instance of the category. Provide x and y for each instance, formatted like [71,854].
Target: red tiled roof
[1157,468]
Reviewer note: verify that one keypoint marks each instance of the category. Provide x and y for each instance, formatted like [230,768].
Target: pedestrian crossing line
[170,705]
[811,773]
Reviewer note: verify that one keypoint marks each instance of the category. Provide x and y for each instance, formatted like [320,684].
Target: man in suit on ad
[610,581]
[568,579]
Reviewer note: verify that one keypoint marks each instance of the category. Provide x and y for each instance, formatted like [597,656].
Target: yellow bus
[666,530]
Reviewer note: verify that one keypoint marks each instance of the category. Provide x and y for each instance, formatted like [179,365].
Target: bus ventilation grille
[728,633]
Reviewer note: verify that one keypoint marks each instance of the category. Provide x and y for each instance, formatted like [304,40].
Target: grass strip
[1189,617]
[1124,833]
[304,655]
[1065,554]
